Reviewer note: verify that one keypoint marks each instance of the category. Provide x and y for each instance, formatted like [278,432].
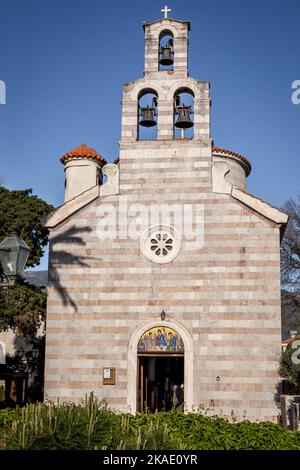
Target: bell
[184,119]
[166,56]
[147,117]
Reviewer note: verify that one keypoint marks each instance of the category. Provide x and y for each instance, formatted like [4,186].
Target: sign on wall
[109,376]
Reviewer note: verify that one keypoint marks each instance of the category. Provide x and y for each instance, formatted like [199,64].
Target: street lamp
[14,253]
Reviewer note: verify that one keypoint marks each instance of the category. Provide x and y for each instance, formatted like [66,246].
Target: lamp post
[14,253]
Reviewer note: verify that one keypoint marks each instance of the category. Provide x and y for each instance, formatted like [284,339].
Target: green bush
[92,425]
[7,415]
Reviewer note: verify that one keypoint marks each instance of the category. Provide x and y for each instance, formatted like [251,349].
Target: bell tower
[166,114]
[178,32]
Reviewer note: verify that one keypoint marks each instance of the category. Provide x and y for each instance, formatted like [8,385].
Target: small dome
[218,152]
[83,151]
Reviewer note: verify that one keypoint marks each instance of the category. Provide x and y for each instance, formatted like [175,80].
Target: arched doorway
[160,370]
[185,357]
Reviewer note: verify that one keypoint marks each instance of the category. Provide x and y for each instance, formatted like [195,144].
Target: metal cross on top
[166,10]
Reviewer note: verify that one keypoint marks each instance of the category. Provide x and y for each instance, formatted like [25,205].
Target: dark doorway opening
[160,382]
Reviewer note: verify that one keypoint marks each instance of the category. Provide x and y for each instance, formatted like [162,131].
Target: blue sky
[64,63]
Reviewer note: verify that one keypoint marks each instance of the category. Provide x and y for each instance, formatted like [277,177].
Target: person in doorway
[175,387]
[167,393]
[180,397]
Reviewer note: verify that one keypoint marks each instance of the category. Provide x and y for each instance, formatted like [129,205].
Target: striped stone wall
[226,294]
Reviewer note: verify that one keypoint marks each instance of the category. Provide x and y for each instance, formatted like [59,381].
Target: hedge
[92,425]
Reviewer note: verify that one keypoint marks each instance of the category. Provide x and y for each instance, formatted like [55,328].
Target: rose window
[160,244]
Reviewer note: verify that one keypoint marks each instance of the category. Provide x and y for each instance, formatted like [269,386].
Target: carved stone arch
[135,94]
[132,369]
[190,87]
[145,90]
[161,28]
[165,32]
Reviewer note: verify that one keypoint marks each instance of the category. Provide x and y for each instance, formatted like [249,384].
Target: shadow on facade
[60,259]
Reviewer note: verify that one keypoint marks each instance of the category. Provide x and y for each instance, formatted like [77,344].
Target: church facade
[164,272]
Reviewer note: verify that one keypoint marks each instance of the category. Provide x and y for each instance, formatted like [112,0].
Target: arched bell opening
[183,114]
[147,115]
[166,51]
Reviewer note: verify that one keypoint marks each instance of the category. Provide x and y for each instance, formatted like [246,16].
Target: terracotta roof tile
[291,340]
[83,151]
[223,152]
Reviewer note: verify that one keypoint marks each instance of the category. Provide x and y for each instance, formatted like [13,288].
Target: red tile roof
[83,151]
[290,340]
[223,152]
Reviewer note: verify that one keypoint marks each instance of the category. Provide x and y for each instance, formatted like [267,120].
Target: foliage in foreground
[93,426]
[290,269]
[289,368]
[22,212]
[23,307]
